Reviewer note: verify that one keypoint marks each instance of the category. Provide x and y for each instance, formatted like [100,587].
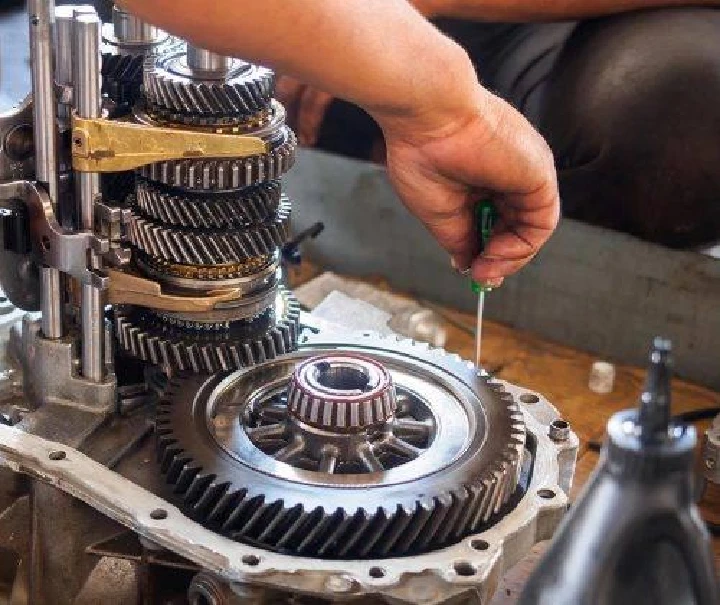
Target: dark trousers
[629,104]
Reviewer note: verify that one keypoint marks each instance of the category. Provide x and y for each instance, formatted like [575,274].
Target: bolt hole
[35,20]
[45,242]
[479,545]
[560,424]
[57,455]
[158,514]
[547,494]
[377,572]
[463,568]
[529,398]
[77,141]
[251,560]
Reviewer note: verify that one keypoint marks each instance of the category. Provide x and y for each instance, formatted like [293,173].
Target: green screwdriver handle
[485,217]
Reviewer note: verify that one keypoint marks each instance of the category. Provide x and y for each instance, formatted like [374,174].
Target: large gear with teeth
[232,173]
[144,335]
[240,92]
[244,471]
[189,246]
[208,211]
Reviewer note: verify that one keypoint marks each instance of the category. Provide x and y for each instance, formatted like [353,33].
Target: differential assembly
[350,453]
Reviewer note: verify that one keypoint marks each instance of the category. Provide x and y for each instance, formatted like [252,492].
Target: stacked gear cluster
[198,226]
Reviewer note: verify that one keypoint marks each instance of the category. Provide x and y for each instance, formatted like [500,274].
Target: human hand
[442,165]
[305,107]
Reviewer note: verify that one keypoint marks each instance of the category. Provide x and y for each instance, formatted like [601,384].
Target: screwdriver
[485,216]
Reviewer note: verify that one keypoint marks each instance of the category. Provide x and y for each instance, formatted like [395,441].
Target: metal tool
[485,215]
[635,536]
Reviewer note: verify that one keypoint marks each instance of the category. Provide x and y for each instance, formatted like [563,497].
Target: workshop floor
[560,374]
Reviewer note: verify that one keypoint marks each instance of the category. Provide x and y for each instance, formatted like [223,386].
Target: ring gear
[208,211]
[239,345]
[232,173]
[435,500]
[241,91]
[190,246]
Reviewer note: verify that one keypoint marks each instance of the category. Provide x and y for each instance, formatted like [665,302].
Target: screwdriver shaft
[478,327]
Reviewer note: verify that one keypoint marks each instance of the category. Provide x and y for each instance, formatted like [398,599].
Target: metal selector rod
[88,99]
[42,15]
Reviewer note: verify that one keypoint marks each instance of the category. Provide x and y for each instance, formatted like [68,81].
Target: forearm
[380,54]
[541,10]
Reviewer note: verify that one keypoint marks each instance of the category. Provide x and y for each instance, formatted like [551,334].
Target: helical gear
[122,77]
[244,90]
[233,173]
[242,344]
[190,246]
[122,67]
[350,518]
[218,211]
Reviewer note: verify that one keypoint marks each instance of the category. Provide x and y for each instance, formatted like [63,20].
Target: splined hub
[341,393]
[444,465]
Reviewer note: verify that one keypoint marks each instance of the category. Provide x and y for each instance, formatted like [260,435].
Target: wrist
[444,96]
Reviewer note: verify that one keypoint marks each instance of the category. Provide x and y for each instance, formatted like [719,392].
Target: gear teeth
[209,247]
[122,77]
[247,90]
[220,211]
[244,513]
[176,349]
[222,174]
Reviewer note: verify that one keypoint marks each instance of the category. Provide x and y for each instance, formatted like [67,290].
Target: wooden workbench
[560,374]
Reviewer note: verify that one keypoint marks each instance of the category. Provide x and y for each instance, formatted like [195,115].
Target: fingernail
[494,282]
[457,269]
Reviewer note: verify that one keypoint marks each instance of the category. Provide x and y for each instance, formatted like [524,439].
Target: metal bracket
[108,222]
[129,288]
[100,145]
[52,245]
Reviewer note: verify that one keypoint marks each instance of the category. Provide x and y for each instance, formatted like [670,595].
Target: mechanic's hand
[305,108]
[485,148]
